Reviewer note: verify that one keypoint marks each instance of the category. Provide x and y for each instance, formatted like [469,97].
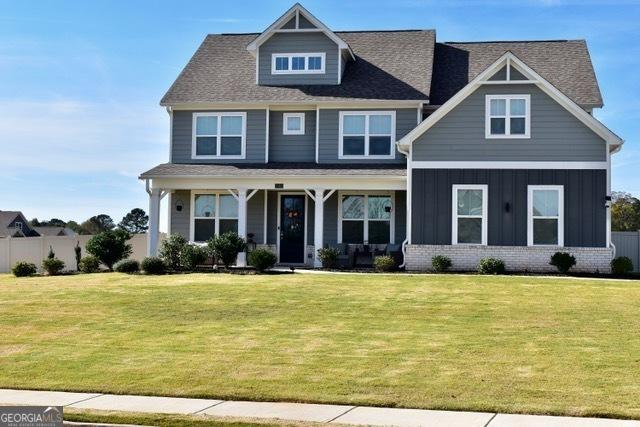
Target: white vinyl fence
[628,244]
[35,249]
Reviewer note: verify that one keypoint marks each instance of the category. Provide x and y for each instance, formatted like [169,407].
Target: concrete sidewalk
[334,414]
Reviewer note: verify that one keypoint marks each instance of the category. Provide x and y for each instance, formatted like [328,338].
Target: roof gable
[566,64]
[297,18]
[509,61]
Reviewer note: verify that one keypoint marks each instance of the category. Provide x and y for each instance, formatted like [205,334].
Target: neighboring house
[55,231]
[14,224]
[302,137]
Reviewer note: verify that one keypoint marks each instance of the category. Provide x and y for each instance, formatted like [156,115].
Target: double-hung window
[507,116]
[293,123]
[367,134]
[297,63]
[366,218]
[219,135]
[469,225]
[545,218]
[213,214]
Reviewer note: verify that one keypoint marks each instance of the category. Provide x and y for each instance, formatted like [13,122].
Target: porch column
[318,228]
[242,224]
[154,221]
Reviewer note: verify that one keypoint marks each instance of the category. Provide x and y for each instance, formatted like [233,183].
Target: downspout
[407,153]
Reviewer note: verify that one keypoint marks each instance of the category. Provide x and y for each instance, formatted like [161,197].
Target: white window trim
[285,119]
[560,217]
[18,225]
[219,115]
[454,213]
[365,220]
[306,56]
[507,116]
[366,154]
[216,217]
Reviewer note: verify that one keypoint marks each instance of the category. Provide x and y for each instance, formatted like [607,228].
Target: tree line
[134,222]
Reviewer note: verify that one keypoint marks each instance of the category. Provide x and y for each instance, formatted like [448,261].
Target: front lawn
[508,344]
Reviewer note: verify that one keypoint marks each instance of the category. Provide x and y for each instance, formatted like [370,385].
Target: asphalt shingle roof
[566,64]
[273,170]
[390,65]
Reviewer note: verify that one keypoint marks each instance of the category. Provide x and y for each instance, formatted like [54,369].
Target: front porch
[292,212]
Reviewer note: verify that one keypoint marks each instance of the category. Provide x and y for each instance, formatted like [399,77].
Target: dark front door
[292,228]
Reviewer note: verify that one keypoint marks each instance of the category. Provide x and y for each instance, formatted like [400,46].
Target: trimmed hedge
[89,264]
[262,259]
[491,266]
[621,265]
[24,269]
[153,265]
[441,263]
[127,266]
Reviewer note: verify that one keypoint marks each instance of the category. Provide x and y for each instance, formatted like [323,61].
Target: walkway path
[334,414]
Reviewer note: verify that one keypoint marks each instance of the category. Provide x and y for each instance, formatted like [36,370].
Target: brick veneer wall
[516,258]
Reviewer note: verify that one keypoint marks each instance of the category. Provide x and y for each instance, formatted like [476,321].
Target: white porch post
[242,224]
[318,227]
[154,221]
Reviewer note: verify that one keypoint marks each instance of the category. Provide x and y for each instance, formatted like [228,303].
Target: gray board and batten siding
[182,136]
[298,42]
[556,134]
[584,204]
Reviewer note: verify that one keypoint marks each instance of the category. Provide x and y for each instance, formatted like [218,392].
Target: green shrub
[226,247]
[171,251]
[127,266]
[153,265]
[441,263]
[328,257]
[78,252]
[193,256]
[24,269]
[262,259]
[110,246]
[53,266]
[491,266]
[384,263]
[563,261]
[621,265]
[89,264]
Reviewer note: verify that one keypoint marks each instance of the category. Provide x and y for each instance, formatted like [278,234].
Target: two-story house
[301,137]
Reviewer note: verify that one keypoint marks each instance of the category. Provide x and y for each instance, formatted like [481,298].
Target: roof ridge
[515,41]
[410,30]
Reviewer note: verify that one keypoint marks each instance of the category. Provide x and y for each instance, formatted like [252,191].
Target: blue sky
[80,81]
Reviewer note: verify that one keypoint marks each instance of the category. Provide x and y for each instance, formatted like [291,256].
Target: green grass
[508,344]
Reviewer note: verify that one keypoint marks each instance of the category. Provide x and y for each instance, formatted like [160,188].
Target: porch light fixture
[179,205]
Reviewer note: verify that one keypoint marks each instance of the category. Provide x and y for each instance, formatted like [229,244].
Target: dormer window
[297,63]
